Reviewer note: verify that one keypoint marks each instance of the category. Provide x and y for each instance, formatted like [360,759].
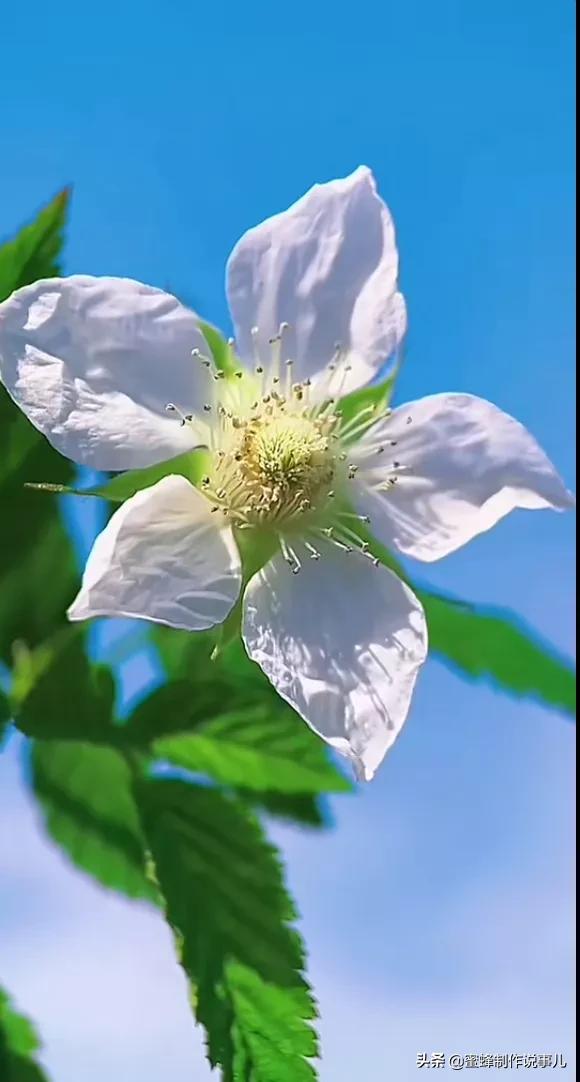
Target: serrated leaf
[35,251]
[66,696]
[85,793]
[258,748]
[227,903]
[268,1045]
[19,1044]
[483,643]
[182,705]
[199,688]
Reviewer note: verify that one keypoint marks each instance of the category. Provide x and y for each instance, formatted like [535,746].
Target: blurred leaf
[19,1044]
[37,569]
[36,585]
[301,809]
[227,903]
[258,748]
[20,1035]
[199,688]
[85,792]
[67,696]
[34,252]
[483,643]
[181,705]
[5,716]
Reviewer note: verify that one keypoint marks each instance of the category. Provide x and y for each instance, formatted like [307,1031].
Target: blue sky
[439,911]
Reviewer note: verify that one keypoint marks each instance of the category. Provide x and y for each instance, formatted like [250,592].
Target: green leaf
[227,903]
[191,465]
[85,792]
[38,574]
[19,1044]
[372,399]
[62,695]
[257,748]
[34,252]
[182,705]
[482,643]
[37,568]
[199,688]
[223,356]
[5,715]
[20,1035]
[298,808]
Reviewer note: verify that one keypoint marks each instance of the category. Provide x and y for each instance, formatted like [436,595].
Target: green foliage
[5,714]
[35,251]
[257,749]
[199,849]
[300,809]
[85,792]
[191,465]
[485,644]
[226,901]
[66,696]
[222,354]
[34,589]
[19,1044]
[373,399]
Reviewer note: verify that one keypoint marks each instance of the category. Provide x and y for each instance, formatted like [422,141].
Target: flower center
[274,461]
[279,460]
[287,463]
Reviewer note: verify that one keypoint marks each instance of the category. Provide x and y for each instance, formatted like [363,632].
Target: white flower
[313,294]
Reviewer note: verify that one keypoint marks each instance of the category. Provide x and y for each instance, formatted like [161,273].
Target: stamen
[288,384]
[290,556]
[314,553]
[367,417]
[184,418]
[276,352]
[355,543]
[255,345]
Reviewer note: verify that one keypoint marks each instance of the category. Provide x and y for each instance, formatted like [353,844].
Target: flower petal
[162,557]
[93,363]
[342,642]
[328,267]
[461,464]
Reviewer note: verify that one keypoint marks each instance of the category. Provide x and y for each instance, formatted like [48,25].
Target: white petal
[461,465]
[342,642]
[328,267]
[164,557]
[93,363]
